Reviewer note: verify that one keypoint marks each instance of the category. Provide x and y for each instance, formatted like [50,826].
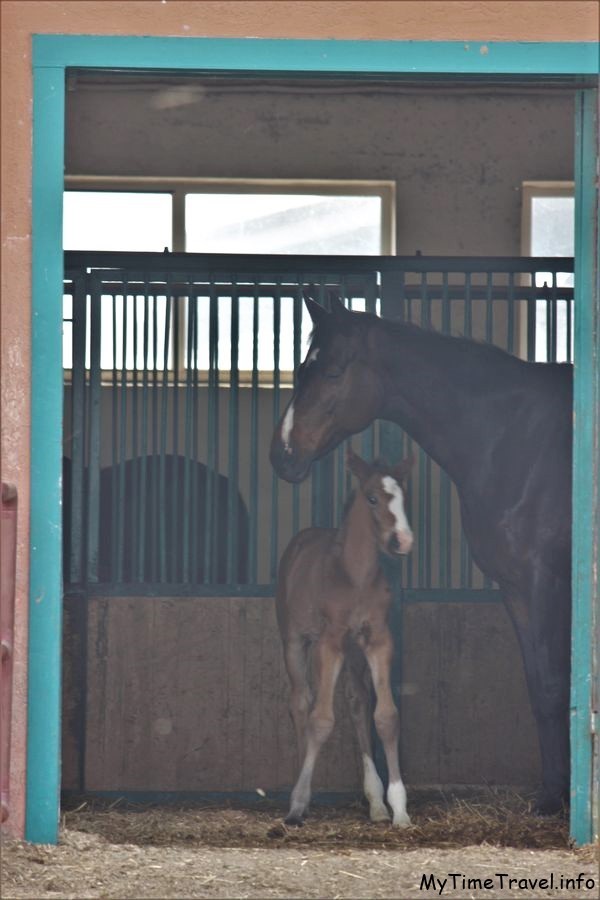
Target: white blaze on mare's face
[286,427]
[396,507]
[312,357]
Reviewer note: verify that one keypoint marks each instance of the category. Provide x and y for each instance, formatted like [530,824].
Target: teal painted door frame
[52,55]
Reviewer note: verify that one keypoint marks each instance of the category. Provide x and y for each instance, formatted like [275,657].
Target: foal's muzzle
[400,543]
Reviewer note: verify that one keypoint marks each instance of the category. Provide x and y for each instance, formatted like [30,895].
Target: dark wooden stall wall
[190,694]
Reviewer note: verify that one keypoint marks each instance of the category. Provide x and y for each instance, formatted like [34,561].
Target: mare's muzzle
[287,463]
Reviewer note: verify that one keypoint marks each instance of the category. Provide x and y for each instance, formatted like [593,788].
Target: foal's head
[382,488]
[337,392]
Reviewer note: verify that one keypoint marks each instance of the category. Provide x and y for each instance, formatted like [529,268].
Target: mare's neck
[438,388]
[356,542]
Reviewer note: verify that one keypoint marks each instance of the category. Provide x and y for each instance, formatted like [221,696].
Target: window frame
[180,187]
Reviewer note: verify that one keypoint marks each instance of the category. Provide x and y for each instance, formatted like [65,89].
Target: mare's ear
[357,465]
[402,469]
[317,312]
[338,310]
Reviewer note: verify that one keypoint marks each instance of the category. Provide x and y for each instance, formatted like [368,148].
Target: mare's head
[382,488]
[337,393]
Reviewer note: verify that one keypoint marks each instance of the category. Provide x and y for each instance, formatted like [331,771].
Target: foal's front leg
[379,652]
[328,663]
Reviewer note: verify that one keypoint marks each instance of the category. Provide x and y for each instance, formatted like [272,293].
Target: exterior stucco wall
[489,21]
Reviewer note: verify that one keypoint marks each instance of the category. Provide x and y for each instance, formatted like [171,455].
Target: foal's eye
[372,499]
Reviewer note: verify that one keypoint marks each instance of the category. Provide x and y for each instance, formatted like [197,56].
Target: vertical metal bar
[489,336]
[425,470]
[93,524]
[532,319]
[114,535]
[120,507]
[186,496]
[466,572]
[195,491]
[154,494]
[445,554]
[173,536]
[254,432]
[213,436]
[276,408]
[164,411]
[134,479]
[298,310]
[78,494]
[233,443]
[510,342]
[144,480]
[553,319]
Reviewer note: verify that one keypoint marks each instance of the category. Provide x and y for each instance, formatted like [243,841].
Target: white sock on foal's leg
[373,789]
[396,797]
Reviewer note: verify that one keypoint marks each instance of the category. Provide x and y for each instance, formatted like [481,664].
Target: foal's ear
[402,469]
[357,465]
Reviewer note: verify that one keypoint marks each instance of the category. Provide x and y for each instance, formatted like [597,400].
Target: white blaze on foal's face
[403,530]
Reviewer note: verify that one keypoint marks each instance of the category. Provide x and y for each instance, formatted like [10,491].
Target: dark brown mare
[502,429]
[333,597]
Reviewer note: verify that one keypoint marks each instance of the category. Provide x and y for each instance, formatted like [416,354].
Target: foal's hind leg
[328,658]
[295,656]
[361,711]
[379,651]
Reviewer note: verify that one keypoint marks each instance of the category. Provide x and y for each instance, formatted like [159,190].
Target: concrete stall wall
[464,21]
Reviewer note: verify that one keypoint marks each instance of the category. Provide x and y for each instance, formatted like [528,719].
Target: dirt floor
[477,844]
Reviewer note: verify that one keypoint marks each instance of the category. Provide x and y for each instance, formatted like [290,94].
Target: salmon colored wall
[374,19]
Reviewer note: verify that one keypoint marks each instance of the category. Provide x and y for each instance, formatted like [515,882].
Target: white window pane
[282,223]
[121,221]
[278,223]
[116,220]
[553,232]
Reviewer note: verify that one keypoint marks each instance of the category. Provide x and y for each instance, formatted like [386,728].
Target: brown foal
[332,595]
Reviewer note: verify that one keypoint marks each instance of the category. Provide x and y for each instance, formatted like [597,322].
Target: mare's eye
[333,372]
[372,499]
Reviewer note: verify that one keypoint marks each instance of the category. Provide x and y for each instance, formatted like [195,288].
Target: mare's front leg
[379,651]
[543,626]
[328,657]
[361,710]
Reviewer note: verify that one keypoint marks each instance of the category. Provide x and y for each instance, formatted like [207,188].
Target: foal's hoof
[379,814]
[294,819]
[402,821]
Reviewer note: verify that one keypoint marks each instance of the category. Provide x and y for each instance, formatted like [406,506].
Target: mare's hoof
[550,805]
[294,819]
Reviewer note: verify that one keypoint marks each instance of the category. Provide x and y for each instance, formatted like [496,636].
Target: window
[221,216]
[548,229]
